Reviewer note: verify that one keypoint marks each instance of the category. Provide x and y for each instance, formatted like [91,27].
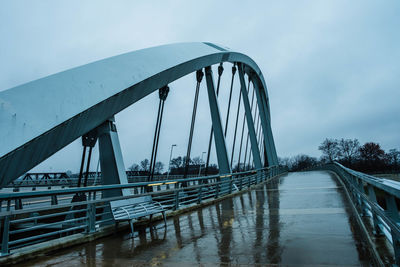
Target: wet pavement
[300,219]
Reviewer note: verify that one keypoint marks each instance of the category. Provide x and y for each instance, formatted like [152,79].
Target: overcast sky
[332,67]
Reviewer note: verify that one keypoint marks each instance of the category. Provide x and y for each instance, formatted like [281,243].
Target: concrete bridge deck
[297,219]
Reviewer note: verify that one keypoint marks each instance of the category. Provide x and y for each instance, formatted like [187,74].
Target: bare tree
[330,149]
[302,162]
[349,149]
[190,161]
[176,163]
[286,162]
[371,152]
[134,167]
[158,167]
[197,161]
[394,157]
[144,165]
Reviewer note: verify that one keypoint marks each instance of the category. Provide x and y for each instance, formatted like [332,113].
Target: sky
[332,67]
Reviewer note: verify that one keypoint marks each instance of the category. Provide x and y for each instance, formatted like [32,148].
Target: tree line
[177,166]
[369,157]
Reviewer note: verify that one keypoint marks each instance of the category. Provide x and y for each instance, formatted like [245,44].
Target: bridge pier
[111,161]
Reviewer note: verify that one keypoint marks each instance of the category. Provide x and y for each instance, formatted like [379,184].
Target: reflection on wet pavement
[298,219]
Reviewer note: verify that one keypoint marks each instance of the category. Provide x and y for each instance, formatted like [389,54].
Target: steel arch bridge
[82,101]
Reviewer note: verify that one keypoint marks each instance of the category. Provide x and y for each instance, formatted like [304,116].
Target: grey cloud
[332,67]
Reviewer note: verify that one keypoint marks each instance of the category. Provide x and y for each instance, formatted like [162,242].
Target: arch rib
[39,118]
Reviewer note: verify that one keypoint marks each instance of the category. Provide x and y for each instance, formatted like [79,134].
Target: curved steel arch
[41,117]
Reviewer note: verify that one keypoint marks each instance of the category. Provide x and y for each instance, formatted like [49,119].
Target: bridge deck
[300,219]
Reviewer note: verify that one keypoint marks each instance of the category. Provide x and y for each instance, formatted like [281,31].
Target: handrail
[385,219]
[375,181]
[87,216]
[17,195]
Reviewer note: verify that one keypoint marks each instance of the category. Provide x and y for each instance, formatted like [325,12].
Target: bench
[135,208]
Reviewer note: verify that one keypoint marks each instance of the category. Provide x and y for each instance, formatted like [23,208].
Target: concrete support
[222,154]
[111,162]
[372,197]
[393,212]
[269,145]
[249,120]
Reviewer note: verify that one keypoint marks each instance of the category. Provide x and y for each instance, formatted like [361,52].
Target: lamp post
[202,154]
[170,157]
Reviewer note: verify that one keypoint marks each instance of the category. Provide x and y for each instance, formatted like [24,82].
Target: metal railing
[375,197]
[62,179]
[32,217]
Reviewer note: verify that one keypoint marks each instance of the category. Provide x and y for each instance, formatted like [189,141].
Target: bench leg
[165,220]
[132,230]
[152,227]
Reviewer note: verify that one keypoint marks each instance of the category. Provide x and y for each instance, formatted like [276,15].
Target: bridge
[251,213]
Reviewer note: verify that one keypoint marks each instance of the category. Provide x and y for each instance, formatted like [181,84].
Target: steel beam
[78,100]
[111,162]
[222,154]
[249,120]
[266,126]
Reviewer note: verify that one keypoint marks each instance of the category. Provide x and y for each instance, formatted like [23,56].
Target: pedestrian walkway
[297,219]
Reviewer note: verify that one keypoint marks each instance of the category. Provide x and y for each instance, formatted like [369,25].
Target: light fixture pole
[170,157]
[201,162]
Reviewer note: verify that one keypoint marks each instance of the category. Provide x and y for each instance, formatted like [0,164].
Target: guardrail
[33,217]
[375,197]
[62,179]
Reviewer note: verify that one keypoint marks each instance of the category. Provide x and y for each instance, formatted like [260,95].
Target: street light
[202,154]
[170,156]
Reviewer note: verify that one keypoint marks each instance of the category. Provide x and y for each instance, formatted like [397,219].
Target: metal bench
[135,208]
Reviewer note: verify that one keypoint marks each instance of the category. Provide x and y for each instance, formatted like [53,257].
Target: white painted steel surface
[40,117]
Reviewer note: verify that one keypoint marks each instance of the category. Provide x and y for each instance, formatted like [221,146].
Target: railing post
[230,185]
[5,239]
[18,204]
[91,218]
[200,194]
[176,205]
[217,189]
[372,197]
[241,183]
[363,207]
[54,200]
